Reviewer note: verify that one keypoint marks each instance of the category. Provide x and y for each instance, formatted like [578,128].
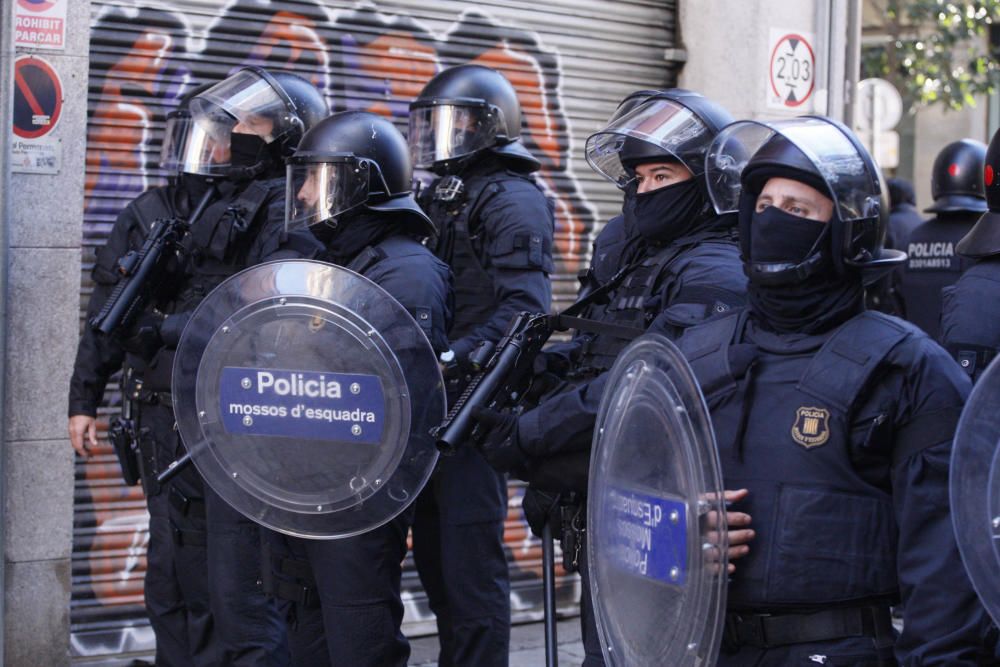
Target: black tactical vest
[215,249]
[461,246]
[787,429]
[637,300]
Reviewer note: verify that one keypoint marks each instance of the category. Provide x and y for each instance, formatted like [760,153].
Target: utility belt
[301,590]
[771,630]
[572,531]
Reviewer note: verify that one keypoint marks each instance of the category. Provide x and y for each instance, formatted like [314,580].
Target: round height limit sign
[792,71]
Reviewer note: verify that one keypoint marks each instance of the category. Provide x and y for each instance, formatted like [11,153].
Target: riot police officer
[232,156]
[350,183]
[932,264]
[970,318]
[838,421]
[177,608]
[496,232]
[686,267]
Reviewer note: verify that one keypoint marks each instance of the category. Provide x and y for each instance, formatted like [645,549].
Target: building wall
[43,223]
[729,60]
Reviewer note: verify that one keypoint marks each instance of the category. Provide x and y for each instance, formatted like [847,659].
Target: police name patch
[811,427]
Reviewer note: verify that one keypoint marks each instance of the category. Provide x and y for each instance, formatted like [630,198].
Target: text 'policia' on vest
[933,262]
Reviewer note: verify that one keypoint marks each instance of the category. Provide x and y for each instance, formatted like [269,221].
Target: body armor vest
[636,301]
[215,248]
[787,430]
[460,245]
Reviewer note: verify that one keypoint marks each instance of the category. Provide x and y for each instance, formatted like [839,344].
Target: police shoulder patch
[811,427]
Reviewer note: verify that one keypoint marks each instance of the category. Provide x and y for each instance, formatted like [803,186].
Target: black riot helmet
[631,101]
[462,112]
[983,239]
[661,126]
[277,107]
[957,178]
[823,154]
[349,161]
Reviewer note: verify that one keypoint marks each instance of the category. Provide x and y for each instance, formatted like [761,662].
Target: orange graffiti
[298,34]
[117,128]
[405,63]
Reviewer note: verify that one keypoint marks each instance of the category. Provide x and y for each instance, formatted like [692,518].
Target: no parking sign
[38,97]
[791,71]
[38,102]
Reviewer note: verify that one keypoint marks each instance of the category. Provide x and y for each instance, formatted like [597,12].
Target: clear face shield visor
[442,132]
[317,191]
[191,147]
[656,125]
[852,184]
[247,103]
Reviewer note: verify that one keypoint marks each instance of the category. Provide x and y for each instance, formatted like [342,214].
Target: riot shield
[655,514]
[305,393]
[975,488]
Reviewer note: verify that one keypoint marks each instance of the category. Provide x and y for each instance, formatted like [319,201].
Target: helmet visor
[655,126]
[251,101]
[320,191]
[194,148]
[848,172]
[442,132]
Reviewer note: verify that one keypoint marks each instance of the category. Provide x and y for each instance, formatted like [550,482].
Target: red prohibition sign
[38,97]
[795,70]
[37,5]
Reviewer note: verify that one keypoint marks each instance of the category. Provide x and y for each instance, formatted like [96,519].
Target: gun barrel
[459,425]
[128,293]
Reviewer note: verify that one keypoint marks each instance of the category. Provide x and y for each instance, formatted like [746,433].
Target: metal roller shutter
[571,61]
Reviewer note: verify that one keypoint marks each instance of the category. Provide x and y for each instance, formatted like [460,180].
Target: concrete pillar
[727,44]
[43,216]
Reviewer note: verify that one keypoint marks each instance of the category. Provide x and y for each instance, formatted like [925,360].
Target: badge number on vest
[811,427]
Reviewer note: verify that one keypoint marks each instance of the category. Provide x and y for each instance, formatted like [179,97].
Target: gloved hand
[501,447]
[143,339]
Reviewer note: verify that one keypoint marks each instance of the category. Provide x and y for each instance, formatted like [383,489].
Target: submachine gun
[506,371]
[141,271]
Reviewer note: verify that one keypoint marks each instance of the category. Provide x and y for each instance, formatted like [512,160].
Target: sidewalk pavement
[527,646]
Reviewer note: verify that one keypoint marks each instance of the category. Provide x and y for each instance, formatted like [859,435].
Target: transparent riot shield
[655,515]
[305,393]
[975,488]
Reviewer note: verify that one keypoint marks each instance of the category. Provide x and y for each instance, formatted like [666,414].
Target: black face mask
[813,301]
[249,155]
[666,214]
[781,239]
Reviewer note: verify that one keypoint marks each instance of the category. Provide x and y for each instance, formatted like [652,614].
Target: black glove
[501,447]
[143,339]
[540,507]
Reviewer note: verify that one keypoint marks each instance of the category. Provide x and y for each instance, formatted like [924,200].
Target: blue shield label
[647,535]
[315,405]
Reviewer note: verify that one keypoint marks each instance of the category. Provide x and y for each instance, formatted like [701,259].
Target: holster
[124,439]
